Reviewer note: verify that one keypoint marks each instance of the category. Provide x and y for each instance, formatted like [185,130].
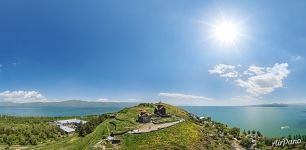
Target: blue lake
[55,111]
[268,120]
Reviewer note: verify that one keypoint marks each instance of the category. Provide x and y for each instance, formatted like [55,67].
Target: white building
[66,129]
[70,122]
[68,125]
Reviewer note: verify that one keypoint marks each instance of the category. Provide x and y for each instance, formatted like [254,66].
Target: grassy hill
[192,133]
[186,135]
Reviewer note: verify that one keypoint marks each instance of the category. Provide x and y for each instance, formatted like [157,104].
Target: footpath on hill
[144,128]
[149,127]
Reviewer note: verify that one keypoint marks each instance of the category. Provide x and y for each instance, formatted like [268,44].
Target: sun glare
[226,32]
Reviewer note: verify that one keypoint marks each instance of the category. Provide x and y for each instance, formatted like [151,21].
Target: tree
[259,134]
[209,119]
[84,129]
[11,139]
[268,141]
[289,137]
[259,144]
[33,140]
[253,132]
[244,133]
[22,140]
[235,132]
[246,142]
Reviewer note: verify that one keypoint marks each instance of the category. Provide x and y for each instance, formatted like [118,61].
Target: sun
[226,32]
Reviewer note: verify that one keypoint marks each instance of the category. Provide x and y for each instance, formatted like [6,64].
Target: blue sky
[151,51]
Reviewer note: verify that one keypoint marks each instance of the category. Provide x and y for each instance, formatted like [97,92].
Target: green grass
[189,136]
[76,143]
[185,135]
[126,120]
[21,132]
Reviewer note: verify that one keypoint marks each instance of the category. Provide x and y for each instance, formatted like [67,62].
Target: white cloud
[117,100]
[185,99]
[103,100]
[22,96]
[256,70]
[256,80]
[183,96]
[264,80]
[298,58]
[224,71]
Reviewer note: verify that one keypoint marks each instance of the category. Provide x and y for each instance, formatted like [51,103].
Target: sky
[147,51]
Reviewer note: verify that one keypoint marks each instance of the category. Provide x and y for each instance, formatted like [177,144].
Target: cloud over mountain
[22,96]
[185,99]
[183,96]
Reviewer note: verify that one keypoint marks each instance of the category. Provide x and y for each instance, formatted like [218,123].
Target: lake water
[55,111]
[268,120]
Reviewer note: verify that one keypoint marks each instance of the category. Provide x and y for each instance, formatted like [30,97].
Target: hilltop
[188,134]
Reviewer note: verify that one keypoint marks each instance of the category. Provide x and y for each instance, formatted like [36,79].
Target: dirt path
[236,145]
[149,127]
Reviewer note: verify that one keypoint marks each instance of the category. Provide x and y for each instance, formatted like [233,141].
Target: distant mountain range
[71,103]
[277,105]
[78,103]
[270,105]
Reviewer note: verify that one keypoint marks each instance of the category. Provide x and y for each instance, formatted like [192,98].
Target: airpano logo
[285,141]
